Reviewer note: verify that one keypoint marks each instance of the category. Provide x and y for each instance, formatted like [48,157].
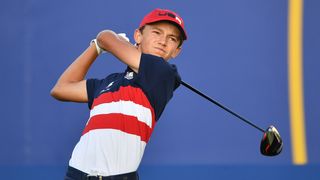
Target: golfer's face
[160,39]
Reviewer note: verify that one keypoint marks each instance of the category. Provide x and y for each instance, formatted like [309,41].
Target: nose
[162,40]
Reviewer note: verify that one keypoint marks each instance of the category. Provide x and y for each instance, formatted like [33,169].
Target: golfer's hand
[123,35]
[100,50]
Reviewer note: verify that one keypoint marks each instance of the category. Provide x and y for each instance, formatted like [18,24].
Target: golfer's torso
[120,124]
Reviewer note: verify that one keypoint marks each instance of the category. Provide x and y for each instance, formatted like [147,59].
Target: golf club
[271,143]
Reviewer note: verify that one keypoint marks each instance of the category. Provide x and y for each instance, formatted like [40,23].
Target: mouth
[160,49]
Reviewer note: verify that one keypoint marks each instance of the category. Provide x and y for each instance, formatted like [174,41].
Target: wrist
[98,48]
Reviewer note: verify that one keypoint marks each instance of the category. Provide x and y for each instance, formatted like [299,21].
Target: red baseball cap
[165,15]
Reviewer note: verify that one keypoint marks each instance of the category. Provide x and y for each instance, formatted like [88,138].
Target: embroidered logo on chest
[107,88]
[129,75]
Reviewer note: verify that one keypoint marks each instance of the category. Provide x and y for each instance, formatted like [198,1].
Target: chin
[157,54]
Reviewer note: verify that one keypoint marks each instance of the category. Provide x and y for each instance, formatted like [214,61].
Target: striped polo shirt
[124,108]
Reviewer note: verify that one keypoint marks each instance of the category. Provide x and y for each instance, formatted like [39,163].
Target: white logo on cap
[178,20]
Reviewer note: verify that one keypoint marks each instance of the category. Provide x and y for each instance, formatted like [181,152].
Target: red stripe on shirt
[124,123]
[126,93]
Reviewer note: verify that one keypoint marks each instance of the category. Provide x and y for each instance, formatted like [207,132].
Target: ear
[176,52]
[137,36]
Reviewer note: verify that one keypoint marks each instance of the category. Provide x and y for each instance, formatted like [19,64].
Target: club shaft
[220,105]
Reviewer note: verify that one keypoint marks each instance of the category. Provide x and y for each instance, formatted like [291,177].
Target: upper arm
[75,91]
[120,48]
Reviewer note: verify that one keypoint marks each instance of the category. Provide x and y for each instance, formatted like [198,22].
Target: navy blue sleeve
[158,79]
[92,85]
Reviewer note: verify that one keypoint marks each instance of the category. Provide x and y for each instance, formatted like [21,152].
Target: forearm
[79,68]
[71,85]
[120,47]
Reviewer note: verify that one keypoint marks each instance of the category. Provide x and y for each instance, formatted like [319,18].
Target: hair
[180,35]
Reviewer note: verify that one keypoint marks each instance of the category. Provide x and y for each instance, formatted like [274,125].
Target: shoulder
[155,62]
[96,83]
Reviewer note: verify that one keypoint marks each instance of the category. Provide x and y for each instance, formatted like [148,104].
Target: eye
[173,39]
[156,32]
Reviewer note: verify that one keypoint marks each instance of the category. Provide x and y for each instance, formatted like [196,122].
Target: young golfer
[124,107]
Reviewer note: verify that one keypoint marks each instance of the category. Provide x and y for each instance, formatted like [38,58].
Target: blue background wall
[236,53]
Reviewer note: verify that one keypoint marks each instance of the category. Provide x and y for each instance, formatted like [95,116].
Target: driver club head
[271,143]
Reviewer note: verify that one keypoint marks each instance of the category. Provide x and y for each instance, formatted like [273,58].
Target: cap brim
[183,32]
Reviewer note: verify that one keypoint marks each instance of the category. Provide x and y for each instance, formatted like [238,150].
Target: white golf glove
[100,50]
[124,36]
